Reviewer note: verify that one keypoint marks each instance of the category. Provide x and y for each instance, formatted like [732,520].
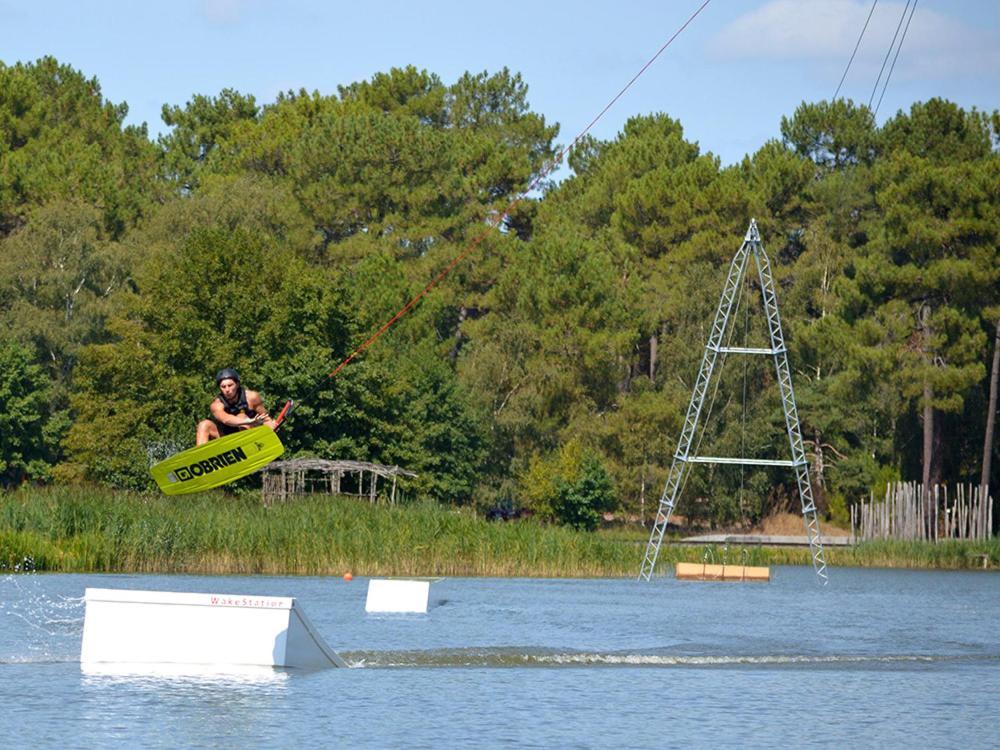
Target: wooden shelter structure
[299,476]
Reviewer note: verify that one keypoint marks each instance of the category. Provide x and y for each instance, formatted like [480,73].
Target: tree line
[551,370]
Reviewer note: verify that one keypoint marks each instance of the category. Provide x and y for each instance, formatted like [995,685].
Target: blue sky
[729,78]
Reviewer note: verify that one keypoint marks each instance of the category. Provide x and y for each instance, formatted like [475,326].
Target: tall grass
[74,529]
[77,530]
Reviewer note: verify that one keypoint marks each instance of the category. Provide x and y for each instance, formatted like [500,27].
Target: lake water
[878,658]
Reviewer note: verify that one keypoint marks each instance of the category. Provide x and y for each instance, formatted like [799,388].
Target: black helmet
[227,373]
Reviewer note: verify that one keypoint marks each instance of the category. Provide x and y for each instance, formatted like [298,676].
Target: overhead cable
[895,57]
[858,44]
[545,171]
[888,53]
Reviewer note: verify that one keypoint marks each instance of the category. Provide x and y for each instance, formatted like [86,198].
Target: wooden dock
[764,540]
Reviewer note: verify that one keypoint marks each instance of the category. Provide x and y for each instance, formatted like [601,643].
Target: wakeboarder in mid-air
[234,409]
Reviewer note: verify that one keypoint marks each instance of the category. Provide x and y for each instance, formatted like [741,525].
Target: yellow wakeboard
[217,462]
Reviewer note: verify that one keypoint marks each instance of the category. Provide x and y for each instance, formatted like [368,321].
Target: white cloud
[825,32]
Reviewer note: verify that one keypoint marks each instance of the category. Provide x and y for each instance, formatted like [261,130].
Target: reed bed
[95,530]
[74,529]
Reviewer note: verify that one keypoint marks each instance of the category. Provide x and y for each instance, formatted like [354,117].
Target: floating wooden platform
[706,572]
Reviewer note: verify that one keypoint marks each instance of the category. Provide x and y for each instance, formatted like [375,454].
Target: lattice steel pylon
[751,247]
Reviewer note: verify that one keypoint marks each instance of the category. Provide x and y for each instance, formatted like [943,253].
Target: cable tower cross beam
[752,247]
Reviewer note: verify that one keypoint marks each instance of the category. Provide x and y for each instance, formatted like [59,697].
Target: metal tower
[752,246]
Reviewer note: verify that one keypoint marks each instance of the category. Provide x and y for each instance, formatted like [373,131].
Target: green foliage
[279,322]
[929,269]
[56,280]
[374,172]
[279,237]
[838,512]
[579,504]
[60,140]
[73,181]
[90,529]
[198,129]
[400,156]
[782,183]
[940,131]
[570,486]
[439,434]
[25,448]
[832,134]
[223,298]
[93,530]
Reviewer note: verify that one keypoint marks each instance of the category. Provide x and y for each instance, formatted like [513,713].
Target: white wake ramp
[165,627]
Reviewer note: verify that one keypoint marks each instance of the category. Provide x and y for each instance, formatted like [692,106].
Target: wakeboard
[217,462]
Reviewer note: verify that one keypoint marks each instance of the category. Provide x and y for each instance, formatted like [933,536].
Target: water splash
[35,625]
[162,449]
[179,676]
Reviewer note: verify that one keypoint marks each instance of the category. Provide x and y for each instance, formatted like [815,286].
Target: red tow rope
[556,161]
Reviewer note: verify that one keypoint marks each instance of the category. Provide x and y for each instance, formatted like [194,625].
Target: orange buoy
[348,576]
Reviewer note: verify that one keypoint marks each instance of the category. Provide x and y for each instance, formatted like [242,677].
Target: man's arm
[255,402]
[235,420]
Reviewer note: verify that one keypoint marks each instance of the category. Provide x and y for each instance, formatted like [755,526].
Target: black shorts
[225,429]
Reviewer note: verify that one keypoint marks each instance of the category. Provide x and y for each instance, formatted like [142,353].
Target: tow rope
[290,405]
[234,456]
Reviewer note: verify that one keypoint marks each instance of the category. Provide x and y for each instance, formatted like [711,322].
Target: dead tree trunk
[654,344]
[928,411]
[991,412]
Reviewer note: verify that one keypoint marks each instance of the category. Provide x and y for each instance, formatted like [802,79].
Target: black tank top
[240,407]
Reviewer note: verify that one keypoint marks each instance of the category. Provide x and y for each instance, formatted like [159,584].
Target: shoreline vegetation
[94,530]
[549,371]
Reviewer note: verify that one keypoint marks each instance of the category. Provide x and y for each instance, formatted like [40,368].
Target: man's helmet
[227,374]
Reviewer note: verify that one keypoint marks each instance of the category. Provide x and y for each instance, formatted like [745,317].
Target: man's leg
[207,430]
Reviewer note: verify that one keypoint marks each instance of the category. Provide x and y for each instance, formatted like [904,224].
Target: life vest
[241,406]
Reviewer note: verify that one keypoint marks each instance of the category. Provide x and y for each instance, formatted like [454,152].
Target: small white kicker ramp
[397,595]
[166,627]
